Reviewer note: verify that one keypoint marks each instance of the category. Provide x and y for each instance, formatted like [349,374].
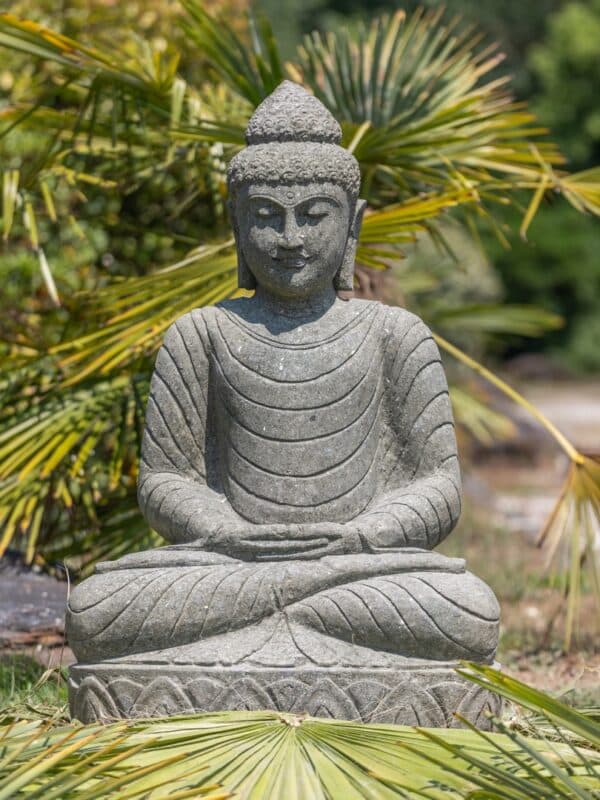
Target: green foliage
[511,23]
[283,756]
[465,296]
[28,689]
[567,66]
[557,268]
[413,88]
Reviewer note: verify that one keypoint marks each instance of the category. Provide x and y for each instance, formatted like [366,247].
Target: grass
[29,691]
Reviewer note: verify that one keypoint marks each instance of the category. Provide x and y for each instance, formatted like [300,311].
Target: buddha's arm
[172,489]
[421,500]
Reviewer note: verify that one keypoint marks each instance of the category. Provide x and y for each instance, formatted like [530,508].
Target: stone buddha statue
[299,455]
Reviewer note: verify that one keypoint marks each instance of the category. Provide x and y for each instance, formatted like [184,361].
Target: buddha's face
[293,237]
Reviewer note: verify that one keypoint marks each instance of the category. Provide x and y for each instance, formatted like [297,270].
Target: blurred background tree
[566,71]
[558,268]
[552,52]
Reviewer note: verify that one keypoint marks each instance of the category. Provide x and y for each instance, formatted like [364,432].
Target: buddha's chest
[297,425]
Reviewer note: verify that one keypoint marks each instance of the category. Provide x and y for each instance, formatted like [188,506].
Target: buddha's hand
[281,542]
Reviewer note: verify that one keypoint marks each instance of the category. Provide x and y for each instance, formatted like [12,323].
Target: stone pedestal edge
[426,696]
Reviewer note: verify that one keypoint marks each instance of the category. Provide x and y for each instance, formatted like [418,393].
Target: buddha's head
[293,195]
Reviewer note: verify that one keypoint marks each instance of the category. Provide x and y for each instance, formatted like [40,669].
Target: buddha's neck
[306,308]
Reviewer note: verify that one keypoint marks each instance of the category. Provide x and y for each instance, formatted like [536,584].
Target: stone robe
[245,425]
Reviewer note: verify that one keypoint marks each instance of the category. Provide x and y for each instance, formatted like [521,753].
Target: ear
[246,279]
[344,279]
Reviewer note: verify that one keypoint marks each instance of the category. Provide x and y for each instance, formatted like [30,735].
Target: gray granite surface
[299,455]
[430,695]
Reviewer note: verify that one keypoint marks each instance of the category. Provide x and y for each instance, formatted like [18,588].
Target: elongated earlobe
[344,279]
[246,279]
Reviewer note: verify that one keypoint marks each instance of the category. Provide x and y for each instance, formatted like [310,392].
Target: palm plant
[282,756]
[127,141]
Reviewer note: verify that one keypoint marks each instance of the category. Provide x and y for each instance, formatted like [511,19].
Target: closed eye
[265,212]
[316,210]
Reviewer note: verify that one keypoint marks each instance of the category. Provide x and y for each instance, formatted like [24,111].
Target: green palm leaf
[420,111]
[472,411]
[39,761]
[254,69]
[496,318]
[284,756]
[142,309]
[152,76]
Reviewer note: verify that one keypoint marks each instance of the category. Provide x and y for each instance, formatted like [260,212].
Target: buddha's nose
[291,238]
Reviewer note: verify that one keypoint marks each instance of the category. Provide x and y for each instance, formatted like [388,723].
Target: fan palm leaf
[473,412]
[284,756]
[40,761]
[253,72]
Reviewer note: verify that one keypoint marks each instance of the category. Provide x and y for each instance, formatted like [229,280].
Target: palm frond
[253,68]
[50,472]
[141,309]
[420,111]
[571,533]
[127,113]
[285,756]
[399,222]
[39,761]
[496,318]
[563,717]
[475,415]
[527,768]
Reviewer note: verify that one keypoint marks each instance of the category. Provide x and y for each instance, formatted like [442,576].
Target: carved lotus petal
[162,697]
[245,694]
[288,694]
[203,692]
[328,700]
[367,695]
[125,692]
[93,702]
[411,705]
[475,704]
[449,695]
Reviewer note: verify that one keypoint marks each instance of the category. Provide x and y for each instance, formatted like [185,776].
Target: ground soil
[510,490]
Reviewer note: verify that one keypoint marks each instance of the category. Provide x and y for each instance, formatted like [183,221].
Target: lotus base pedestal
[424,695]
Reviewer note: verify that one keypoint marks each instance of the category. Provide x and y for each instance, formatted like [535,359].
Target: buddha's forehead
[292,194]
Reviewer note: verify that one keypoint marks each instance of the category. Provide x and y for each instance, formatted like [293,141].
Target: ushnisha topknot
[291,114]
[293,138]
